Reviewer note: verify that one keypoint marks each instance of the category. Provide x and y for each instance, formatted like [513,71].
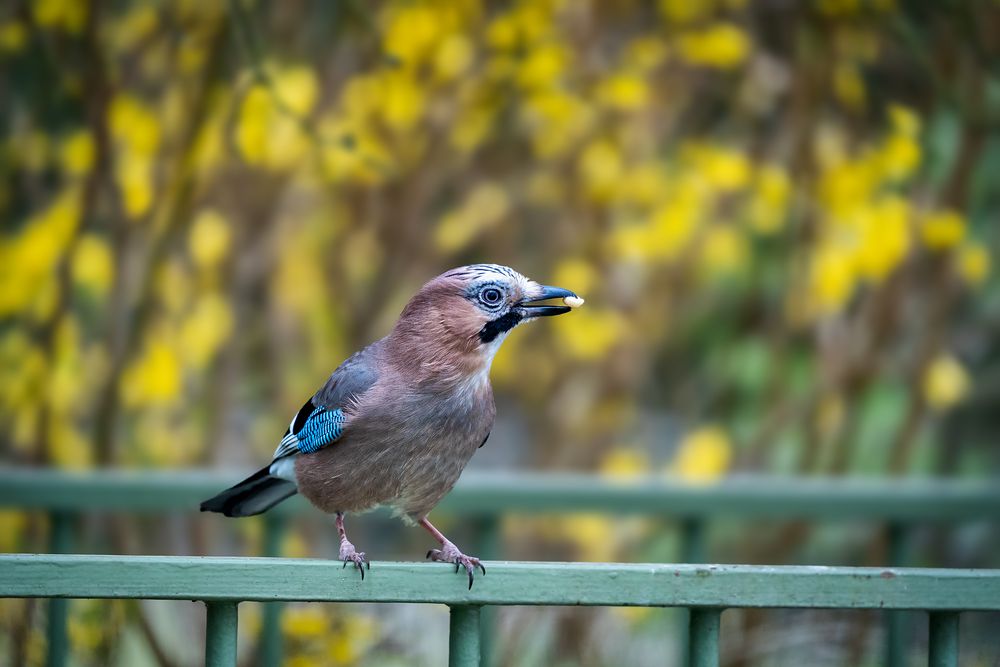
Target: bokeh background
[783,216]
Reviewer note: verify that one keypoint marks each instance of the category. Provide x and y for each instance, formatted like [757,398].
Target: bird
[397,422]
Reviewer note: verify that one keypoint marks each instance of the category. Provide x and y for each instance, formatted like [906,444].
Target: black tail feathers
[256,494]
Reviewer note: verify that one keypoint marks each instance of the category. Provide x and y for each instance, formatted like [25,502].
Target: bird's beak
[544,293]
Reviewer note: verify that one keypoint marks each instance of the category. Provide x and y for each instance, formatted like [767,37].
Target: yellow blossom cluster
[319,636]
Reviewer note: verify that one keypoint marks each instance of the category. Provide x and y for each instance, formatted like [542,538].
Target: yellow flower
[347,644]
[591,334]
[135,26]
[900,156]
[210,239]
[645,53]
[93,267]
[403,101]
[68,15]
[71,448]
[623,91]
[136,132]
[577,273]
[904,120]
[644,184]
[768,208]
[252,130]
[973,263]
[942,230]
[883,236]
[305,621]
[831,280]
[471,129]
[453,57]
[134,176]
[411,32]
[27,261]
[155,377]
[542,66]
[12,525]
[724,250]
[296,87]
[720,45]
[723,168]
[557,121]
[77,153]
[134,124]
[269,129]
[600,166]
[685,11]
[622,463]
[593,536]
[704,455]
[206,329]
[945,382]
[485,206]
[13,36]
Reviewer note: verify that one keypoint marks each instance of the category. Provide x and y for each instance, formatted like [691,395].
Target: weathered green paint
[899,548]
[487,543]
[508,583]
[693,549]
[463,636]
[57,642]
[220,634]
[487,494]
[942,639]
[703,637]
[271,640]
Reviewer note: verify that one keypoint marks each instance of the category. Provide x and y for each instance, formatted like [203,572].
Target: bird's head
[469,311]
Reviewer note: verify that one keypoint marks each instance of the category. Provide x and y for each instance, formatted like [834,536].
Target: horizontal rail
[492,493]
[508,583]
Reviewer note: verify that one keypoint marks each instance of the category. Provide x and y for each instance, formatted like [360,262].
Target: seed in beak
[573,301]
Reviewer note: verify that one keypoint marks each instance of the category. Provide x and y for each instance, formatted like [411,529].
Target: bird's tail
[256,494]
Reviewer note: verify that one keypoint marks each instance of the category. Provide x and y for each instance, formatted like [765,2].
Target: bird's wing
[321,421]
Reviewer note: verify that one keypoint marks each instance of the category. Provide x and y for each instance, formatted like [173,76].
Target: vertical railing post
[220,634]
[942,647]
[488,548]
[703,637]
[463,637]
[271,641]
[60,542]
[692,550]
[900,547]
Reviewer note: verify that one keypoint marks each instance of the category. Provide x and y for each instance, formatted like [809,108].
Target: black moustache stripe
[500,325]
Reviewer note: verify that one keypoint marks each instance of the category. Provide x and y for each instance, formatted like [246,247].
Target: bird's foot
[348,554]
[449,553]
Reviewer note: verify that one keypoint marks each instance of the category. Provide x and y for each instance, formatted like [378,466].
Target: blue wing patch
[319,429]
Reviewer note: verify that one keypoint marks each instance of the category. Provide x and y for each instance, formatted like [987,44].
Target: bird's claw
[449,553]
[349,555]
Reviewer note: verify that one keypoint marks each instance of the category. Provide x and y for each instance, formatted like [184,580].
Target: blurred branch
[96,81]
[135,311]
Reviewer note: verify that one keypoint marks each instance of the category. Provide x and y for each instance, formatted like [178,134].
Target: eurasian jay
[397,422]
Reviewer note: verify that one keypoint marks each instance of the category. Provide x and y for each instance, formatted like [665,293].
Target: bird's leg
[348,554]
[449,553]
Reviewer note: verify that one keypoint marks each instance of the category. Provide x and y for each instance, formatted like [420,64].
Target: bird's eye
[491,296]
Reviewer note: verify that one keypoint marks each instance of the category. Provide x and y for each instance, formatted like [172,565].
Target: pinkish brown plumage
[398,421]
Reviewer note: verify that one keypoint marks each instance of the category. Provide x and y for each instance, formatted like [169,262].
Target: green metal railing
[899,505]
[222,583]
